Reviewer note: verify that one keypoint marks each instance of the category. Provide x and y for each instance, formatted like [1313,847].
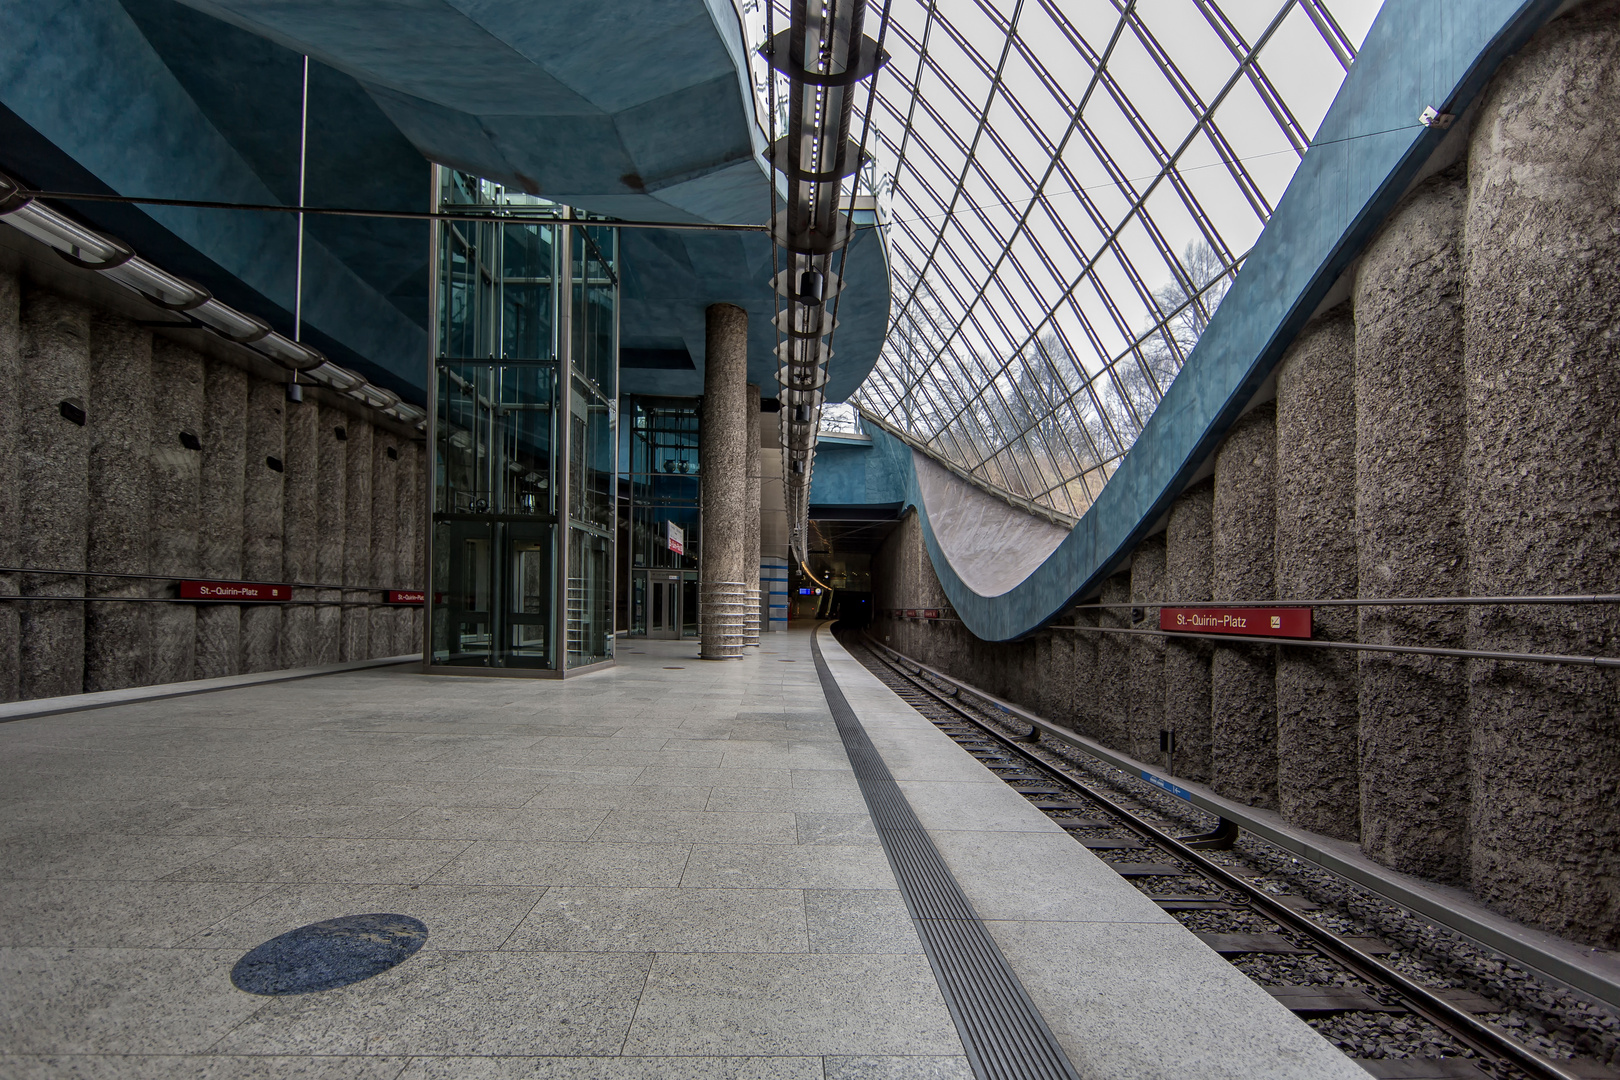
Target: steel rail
[1461,1025]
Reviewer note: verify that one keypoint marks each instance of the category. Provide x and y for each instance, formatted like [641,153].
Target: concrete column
[1318,785]
[300,527]
[10,490]
[755,616]
[264,470]
[1242,692]
[1113,693]
[176,474]
[723,451]
[53,467]
[1188,568]
[331,521]
[384,535]
[1542,374]
[219,548]
[407,514]
[1147,653]
[1409,534]
[117,637]
[357,540]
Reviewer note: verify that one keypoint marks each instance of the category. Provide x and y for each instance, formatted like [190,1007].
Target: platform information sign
[228,591]
[677,538]
[406,596]
[1165,785]
[1252,622]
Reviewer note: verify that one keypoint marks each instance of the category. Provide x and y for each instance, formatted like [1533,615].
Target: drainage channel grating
[1002,1031]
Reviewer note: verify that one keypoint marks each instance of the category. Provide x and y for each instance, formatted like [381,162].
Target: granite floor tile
[115,914]
[771,779]
[897,1068]
[504,788]
[366,862]
[105,856]
[565,795]
[543,863]
[785,866]
[695,826]
[664,920]
[615,1068]
[459,1003]
[118,1001]
[824,827]
[791,1005]
[861,921]
[199,1067]
[458,917]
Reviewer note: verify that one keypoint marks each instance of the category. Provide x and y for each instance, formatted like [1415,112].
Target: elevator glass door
[497,608]
[664,605]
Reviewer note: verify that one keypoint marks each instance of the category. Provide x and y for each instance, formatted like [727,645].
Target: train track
[1254,928]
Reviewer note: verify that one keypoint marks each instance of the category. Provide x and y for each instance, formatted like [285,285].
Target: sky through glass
[1070,186]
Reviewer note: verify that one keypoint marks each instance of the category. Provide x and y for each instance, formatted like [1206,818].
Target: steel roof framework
[1066,207]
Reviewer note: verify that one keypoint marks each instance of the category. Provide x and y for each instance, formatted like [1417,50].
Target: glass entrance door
[663,605]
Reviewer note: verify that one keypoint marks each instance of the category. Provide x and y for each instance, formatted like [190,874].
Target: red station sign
[406,596]
[238,591]
[1250,622]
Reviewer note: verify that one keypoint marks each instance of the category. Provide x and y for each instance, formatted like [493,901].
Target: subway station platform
[665,869]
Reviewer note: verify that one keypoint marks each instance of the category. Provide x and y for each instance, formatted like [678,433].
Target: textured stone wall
[184,466]
[1409,534]
[356,635]
[1243,696]
[1318,785]
[1145,703]
[117,637]
[1189,569]
[1542,472]
[53,458]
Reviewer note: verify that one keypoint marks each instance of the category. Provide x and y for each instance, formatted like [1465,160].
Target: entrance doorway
[668,601]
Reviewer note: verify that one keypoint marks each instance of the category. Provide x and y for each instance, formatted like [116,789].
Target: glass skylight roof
[1070,186]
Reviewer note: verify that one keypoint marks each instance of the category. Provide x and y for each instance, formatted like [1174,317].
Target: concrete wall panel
[264,470]
[331,523]
[1317,779]
[219,547]
[300,526]
[384,537]
[1148,584]
[10,490]
[1409,534]
[1189,566]
[117,637]
[176,474]
[1243,702]
[1542,370]
[356,638]
[54,460]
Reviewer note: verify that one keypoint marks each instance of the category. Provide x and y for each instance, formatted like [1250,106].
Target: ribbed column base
[751,619]
[723,608]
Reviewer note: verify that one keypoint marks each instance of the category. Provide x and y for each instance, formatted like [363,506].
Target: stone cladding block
[299,529]
[53,468]
[1243,699]
[384,537]
[220,509]
[1113,687]
[724,453]
[407,523]
[1542,372]
[1189,566]
[332,519]
[118,637]
[1083,666]
[1148,584]
[356,638]
[263,469]
[1318,784]
[1409,534]
[178,408]
[11,497]
[751,521]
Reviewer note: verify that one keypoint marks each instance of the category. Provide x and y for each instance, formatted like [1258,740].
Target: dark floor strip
[1002,1031]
